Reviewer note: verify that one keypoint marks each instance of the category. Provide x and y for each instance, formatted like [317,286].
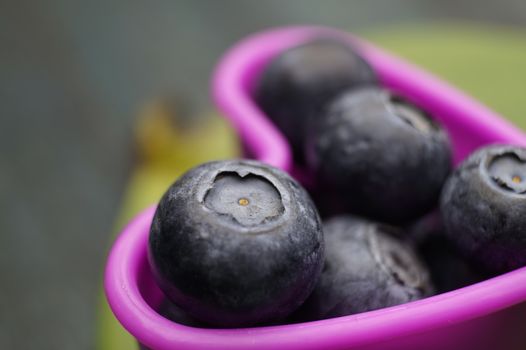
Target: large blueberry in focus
[296,84]
[236,243]
[483,205]
[377,155]
[365,269]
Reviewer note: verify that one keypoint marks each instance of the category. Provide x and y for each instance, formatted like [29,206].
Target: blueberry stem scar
[507,171]
[247,199]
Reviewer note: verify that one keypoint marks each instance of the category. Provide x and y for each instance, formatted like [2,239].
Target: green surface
[487,62]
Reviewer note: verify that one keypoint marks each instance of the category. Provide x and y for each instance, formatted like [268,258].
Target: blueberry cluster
[239,243]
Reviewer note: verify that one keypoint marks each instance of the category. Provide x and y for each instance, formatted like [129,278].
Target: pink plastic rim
[232,83]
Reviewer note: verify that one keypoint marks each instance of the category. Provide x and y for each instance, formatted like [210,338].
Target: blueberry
[365,269]
[174,313]
[236,243]
[377,155]
[295,85]
[448,268]
[483,205]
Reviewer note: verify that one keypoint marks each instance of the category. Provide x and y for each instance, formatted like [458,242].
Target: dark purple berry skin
[236,243]
[175,314]
[448,268]
[295,85]
[379,156]
[483,206]
[365,269]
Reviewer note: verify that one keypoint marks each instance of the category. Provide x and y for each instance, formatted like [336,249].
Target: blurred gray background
[72,75]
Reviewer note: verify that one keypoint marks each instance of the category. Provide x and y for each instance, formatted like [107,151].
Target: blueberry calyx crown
[410,114]
[508,171]
[247,199]
[397,262]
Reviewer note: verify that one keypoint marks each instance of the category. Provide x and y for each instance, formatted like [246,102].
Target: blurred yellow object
[167,138]
[167,144]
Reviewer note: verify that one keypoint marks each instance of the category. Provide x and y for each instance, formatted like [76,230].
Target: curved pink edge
[128,254]
[231,83]
[231,80]
[238,68]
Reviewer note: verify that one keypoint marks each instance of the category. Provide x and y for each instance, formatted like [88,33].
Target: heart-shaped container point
[486,315]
